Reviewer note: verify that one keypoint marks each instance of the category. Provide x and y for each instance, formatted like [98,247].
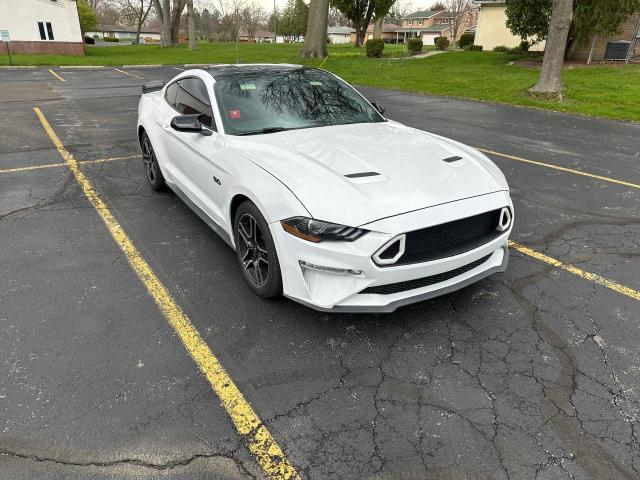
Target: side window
[193,98]
[170,94]
[50,31]
[43,35]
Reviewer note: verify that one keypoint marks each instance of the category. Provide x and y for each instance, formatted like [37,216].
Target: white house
[42,26]
[340,34]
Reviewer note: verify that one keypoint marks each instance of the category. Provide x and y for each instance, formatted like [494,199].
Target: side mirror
[189,124]
[378,107]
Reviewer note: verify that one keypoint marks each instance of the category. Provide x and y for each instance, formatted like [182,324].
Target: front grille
[424,281]
[449,239]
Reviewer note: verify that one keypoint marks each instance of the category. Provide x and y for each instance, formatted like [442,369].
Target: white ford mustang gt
[322,198]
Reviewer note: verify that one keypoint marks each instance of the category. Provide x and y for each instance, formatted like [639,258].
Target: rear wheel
[256,252]
[151,166]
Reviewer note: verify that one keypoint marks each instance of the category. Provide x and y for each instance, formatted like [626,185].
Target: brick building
[596,48]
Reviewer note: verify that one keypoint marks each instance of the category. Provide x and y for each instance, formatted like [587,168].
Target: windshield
[257,102]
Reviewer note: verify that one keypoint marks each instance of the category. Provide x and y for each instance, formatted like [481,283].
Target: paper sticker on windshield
[234,114]
[316,83]
[247,86]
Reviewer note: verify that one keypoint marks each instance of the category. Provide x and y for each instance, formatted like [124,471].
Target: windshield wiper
[264,130]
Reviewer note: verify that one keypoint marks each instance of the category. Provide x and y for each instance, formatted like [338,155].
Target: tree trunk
[138,34]
[550,81]
[377,27]
[315,41]
[361,31]
[165,18]
[192,26]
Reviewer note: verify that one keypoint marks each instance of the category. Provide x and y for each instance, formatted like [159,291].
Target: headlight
[316,230]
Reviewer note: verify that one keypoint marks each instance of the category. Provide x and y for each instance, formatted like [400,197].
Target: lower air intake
[392,288]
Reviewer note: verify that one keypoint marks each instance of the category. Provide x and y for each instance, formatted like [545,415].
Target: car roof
[219,72]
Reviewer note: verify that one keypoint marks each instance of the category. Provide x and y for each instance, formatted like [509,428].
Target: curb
[143,66]
[18,67]
[80,67]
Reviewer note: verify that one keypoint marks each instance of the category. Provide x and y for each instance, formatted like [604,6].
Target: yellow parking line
[53,165]
[57,76]
[127,73]
[34,167]
[562,169]
[260,442]
[592,277]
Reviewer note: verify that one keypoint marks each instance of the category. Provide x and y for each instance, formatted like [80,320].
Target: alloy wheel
[150,161]
[252,250]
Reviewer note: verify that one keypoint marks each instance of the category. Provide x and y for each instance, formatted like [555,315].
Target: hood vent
[362,174]
[452,159]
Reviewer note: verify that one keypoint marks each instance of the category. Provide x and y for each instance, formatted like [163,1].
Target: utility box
[618,50]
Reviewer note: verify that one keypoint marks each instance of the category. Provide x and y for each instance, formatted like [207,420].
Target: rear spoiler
[152,86]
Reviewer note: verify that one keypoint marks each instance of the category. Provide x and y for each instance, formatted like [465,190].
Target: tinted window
[170,94]
[288,99]
[192,98]
[43,36]
[50,31]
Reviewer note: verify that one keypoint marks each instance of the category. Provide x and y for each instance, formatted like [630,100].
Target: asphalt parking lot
[530,374]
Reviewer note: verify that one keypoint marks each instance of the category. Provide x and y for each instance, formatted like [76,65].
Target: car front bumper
[331,276]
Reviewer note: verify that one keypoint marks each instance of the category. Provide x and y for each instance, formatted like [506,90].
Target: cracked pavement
[531,374]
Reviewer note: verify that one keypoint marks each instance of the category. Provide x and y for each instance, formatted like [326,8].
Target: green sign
[4,36]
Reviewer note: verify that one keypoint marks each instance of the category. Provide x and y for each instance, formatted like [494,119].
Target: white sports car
[322,198]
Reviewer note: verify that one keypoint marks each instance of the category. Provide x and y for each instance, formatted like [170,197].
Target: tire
[256,252]
[151,165]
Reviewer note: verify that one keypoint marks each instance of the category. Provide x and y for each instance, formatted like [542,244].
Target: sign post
[4,36]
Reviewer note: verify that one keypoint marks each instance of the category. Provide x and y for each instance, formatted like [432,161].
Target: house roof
[471,29]
[441,27]
[386,28]
[340,29]
[423,14]
[258,34]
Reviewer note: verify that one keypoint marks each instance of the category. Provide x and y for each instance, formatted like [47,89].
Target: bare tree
[315,40]
[193,44]
[169,13]
[455,10]
[137,12]
[252,17]
[550,81]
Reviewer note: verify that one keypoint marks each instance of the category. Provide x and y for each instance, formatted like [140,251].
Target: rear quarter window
[170,94]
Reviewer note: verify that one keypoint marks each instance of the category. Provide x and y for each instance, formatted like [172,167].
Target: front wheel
[256,252]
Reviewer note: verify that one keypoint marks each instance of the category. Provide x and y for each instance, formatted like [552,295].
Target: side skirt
[203,216]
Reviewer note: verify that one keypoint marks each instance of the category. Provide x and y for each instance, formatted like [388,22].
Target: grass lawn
[609,92]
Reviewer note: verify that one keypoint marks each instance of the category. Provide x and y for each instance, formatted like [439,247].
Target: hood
[331,169]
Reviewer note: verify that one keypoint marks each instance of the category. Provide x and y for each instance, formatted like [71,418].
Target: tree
[529,19]
[169,13]
[252,17]
[532,20]
[550,81]
[380,11]
[359,12]
[438,6]
[294,19]
[137,12]
[87,16]
[455,10]
[193,44]
[315,40]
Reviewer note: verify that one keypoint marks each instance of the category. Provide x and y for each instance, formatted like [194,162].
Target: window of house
[410,22]
[421,21]
[46,31]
